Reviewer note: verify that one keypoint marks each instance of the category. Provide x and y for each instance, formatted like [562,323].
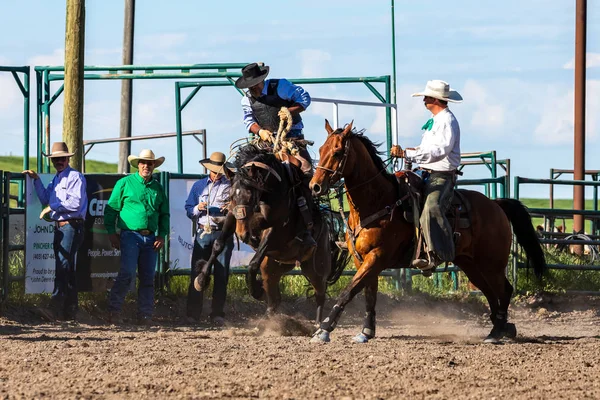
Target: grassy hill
[15,164]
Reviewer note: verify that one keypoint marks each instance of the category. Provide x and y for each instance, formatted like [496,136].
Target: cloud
[592,60]
[313,62]
[487,114]
[57,57]
[164,40]
[556,123]
[11,95]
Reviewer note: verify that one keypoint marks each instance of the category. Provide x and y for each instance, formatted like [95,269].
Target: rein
[363,222]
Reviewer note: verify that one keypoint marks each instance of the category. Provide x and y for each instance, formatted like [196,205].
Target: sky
[512,61]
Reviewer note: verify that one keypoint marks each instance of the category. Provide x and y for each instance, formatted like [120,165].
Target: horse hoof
[320,336]
[360,338]
[198,284]
[510,330]
[491,340]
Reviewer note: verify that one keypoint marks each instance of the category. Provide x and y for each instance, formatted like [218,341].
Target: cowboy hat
[217,163]
[148,155]
[59,149]
[252,74]
[440,90]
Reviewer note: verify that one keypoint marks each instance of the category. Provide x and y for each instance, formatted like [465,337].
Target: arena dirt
[424,349]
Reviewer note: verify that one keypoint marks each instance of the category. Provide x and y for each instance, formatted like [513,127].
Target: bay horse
[264,214]
[383,238]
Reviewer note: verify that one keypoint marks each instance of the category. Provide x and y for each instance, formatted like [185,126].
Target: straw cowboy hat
[148,155]
[440,90]
[217,163]
[59,149]
[252,74]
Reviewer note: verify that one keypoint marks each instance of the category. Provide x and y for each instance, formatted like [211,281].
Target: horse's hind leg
[368,330]
[498,291]
[271,273]
[319,283]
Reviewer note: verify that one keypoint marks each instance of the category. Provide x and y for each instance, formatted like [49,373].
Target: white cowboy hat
[59,149]
[440,90]
[148,155]
[217,163]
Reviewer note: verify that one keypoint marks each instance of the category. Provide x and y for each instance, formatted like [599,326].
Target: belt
[68,221]
[212,228]
[454,171]
[143,232]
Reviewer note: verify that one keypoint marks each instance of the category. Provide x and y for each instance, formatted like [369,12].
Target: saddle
[459,213]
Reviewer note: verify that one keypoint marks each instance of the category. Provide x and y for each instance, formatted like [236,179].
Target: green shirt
[139,205]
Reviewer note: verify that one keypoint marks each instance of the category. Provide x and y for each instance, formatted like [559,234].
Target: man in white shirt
[439,156]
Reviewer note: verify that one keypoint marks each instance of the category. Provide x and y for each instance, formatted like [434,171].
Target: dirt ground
[424,349]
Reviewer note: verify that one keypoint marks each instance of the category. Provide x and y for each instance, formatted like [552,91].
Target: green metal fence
[552,213]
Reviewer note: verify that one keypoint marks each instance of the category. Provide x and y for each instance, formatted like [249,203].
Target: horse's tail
[525,232]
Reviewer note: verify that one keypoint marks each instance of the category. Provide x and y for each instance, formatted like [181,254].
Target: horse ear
[348,128]
[328,127]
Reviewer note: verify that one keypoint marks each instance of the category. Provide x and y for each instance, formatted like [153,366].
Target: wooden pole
[74,62]
[126,87]
[579,139]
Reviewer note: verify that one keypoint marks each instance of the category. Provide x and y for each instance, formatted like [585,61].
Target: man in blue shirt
[65,202]
[262,112]
[205,204]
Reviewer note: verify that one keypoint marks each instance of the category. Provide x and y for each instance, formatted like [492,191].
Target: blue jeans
[137,252]
[67,240]
[220,273]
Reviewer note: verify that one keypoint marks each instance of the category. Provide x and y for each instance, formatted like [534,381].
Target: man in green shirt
[138,206]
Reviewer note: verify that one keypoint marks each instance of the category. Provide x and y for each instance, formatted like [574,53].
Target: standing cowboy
[138,206]
[66,204]
[439,156]
[207,199]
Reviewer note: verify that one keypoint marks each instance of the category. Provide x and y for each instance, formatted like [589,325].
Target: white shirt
[440,147]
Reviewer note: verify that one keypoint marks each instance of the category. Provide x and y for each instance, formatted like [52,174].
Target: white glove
[265,135]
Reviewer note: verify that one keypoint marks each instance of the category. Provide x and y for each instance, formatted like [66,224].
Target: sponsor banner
[97,262]
[181,243]
[39,246]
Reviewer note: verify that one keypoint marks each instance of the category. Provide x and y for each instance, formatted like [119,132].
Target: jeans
[137,252]
[220,272]
[439,190]
[67,240]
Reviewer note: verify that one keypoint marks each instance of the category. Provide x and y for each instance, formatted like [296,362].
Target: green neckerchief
[428,125]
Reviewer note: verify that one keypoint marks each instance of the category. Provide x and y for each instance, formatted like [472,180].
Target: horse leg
[316,269]
[498,291]
[368,330]
[203,267]
[271,273]
[256,290]
[370,269]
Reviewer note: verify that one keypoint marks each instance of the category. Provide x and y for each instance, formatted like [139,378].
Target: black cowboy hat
[252,74]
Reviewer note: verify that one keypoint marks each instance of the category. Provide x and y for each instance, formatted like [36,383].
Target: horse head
[255,190]
[334,157]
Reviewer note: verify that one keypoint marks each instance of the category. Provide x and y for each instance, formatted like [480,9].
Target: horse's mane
[251,152]
[374,153]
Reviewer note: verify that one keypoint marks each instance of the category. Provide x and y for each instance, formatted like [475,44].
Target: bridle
[239,211]
[340,168]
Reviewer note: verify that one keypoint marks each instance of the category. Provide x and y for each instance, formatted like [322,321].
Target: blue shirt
[287,91]
[216,196]
[66,195]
